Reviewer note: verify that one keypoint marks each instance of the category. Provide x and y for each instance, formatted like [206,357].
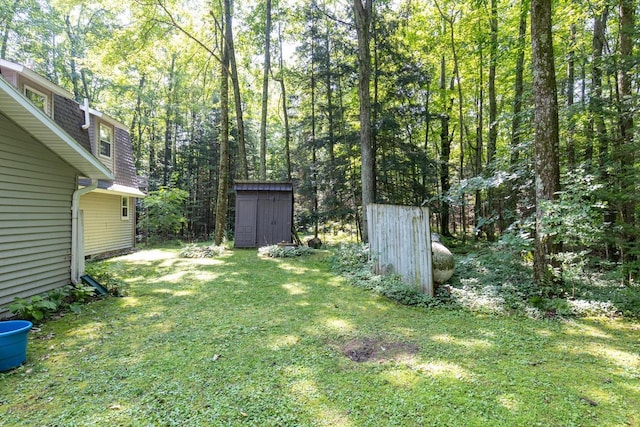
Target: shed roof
[263,186]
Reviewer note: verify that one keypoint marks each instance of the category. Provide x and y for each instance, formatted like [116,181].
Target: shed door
[246,215]
[274,218]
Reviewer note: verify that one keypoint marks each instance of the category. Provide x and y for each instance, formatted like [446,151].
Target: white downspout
[87,118]
[77,249]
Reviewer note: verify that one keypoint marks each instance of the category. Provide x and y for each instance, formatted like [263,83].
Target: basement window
[125,208]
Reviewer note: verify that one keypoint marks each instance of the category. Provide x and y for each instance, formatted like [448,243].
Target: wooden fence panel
[400,242]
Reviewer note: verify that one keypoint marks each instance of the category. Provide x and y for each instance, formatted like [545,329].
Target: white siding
[36,189]
[104,229]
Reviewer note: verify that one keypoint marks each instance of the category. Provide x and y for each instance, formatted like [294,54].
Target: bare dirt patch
[377,349]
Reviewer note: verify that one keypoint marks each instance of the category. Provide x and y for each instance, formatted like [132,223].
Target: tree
[547,140]
[363,14]
[223,179]
[265,92]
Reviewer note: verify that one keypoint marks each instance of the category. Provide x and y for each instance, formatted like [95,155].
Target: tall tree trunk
[363,14]
[265,93]
[571,81]
[547,169]
[242,146]
[597,128]
[625,148]
[516,122]
[223,178]
[168,124]
[445,152]
[479,148]
[287,130]
[493,116]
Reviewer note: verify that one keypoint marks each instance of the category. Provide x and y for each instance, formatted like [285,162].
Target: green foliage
[353,262]
[163,215]
[196,251]
[39,307]
[108,275]
[275,251]
[34,308]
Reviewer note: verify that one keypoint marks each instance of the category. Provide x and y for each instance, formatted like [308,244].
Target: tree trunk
[547,170]
[168,124]
[287,130]
[242,147]
[493,116]
[223,180]
[571,81]
[445,153]
[596,128]
[625,147]
[518,90]
[363,13]
[265,93]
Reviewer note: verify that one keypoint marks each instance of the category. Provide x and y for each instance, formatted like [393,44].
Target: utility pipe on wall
[87,117]
[77,244]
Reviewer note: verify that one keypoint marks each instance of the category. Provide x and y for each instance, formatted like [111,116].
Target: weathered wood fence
[400,242]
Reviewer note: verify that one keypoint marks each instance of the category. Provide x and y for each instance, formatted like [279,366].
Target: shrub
[105,274]
[275,251]
[194,251]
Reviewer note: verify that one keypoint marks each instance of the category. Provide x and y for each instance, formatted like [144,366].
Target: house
[67,185]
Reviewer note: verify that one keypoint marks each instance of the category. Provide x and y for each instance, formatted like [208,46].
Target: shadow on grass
[244,340]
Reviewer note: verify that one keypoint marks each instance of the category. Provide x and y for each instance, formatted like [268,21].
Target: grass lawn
[243,340]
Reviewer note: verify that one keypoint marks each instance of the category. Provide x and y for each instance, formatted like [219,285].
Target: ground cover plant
[248,340]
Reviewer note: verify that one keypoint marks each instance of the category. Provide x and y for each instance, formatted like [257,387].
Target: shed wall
[36,189]
[263,218]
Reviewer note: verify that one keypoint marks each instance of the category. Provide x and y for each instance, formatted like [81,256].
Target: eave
[35,122]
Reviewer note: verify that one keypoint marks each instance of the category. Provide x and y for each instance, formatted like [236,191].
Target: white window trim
[122,206]
[48,110]
[111,143]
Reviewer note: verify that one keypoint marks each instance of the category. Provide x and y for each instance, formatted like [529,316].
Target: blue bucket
[13,343]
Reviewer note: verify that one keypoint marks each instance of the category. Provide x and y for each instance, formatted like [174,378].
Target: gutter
[77,240]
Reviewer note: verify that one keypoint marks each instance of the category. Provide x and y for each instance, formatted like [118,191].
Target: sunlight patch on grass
[339,325]
[174,292]
[467,342]
[283,341]
[613,355]
[586,330]
[440,368]
[174,277]
[509,401]
[295,288]
[403,378]
[150,255]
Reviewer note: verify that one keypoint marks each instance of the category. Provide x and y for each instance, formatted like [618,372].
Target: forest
[512,120]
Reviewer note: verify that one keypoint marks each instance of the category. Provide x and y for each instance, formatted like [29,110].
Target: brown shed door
[274,218]
[246,216]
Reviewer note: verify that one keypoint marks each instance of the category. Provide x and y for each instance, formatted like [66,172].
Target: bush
[194,251]
[39,307]
[275,251]
[106,274]
[353,262]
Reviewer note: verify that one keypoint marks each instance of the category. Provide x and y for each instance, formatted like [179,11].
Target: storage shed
[264,213]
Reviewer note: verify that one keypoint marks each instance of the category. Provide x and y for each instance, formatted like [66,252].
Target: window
[125,208]
[106,140]
[38,99]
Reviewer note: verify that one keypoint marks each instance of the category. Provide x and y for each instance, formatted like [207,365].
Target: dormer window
[38,99]
[106,140]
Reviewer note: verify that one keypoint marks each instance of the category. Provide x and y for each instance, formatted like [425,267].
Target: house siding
[36,189]
[104,230]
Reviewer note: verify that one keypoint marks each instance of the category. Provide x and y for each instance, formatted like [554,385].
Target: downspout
[77,248]
[87,119]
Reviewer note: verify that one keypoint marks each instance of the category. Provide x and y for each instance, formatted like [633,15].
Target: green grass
[248,340]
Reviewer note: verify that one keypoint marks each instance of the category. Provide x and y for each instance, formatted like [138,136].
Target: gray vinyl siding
[104,228]
[36,189]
